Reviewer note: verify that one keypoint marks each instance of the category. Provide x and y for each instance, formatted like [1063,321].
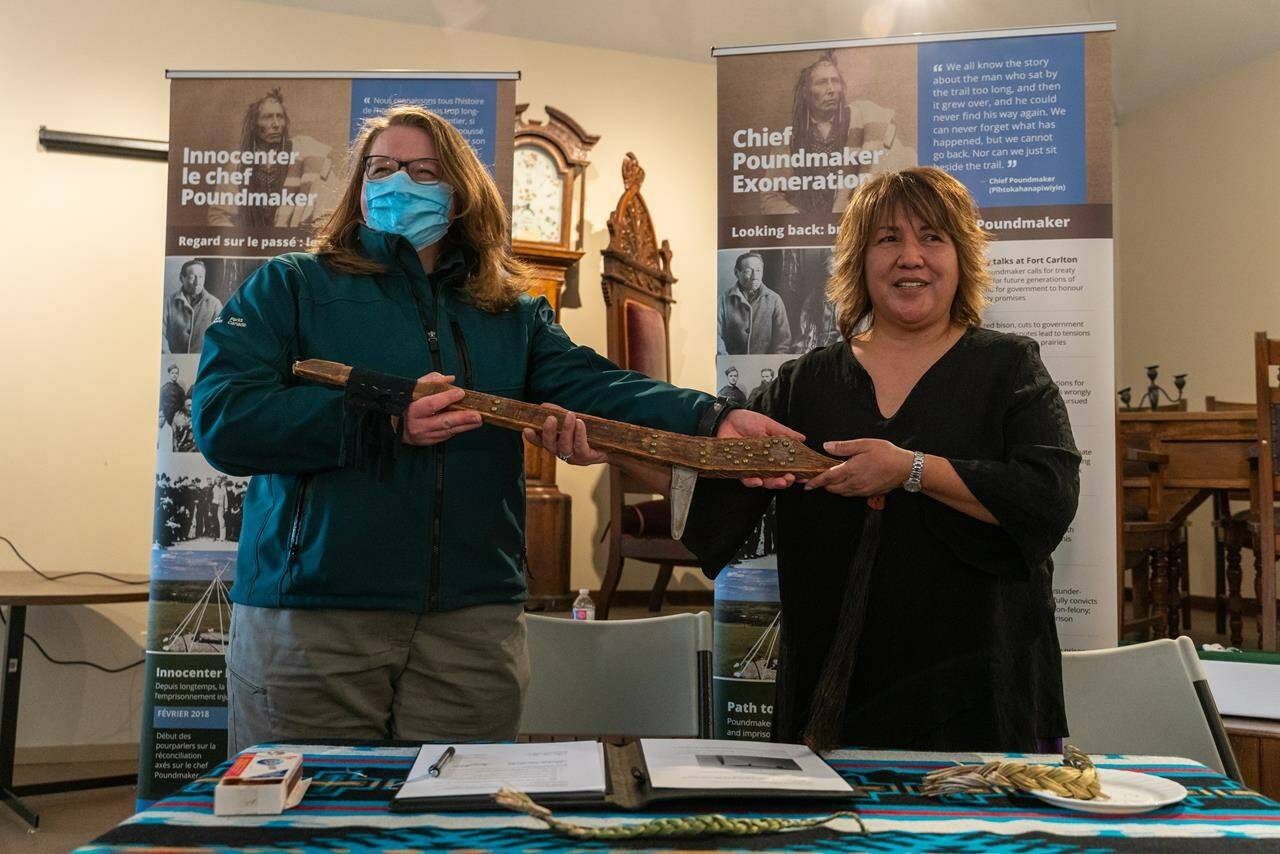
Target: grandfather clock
[547,234]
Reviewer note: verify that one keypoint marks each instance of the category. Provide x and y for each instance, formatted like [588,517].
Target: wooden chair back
[1266,359]
[1155,551]
[637,283]
[1213,404]
[1147,468]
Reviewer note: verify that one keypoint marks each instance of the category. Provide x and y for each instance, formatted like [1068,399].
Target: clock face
[537,196]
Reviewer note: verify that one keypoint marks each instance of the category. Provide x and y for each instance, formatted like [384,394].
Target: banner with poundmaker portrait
[1023,119]
[256,160]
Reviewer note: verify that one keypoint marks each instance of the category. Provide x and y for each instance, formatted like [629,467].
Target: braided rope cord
[1075,778]
[688,826]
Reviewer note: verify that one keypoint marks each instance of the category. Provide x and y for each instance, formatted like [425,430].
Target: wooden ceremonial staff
[688,456]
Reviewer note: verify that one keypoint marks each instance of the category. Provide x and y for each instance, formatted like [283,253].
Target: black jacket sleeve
[724,512]
[1032,491]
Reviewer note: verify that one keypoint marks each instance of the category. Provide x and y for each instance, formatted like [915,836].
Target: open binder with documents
[627,776]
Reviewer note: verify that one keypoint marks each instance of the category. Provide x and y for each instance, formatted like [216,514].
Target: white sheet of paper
[482,769]
[691,763]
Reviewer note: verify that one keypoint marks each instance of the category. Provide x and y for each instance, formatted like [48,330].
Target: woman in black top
[965,433]
[959,649]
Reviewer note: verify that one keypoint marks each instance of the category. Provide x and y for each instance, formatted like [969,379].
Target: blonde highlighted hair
[480,223]
[936,198]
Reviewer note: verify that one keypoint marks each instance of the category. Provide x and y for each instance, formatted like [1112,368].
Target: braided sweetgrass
[687,826]
[1075,778]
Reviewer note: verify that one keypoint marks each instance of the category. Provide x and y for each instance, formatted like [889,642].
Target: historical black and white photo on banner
[196,506]
[828,120]
[195,290]
[740,377]
[271,160]
[773,301]
[762,542]
[178,374]
[801,130]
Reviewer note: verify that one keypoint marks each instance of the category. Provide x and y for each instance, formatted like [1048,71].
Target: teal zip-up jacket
[445,529]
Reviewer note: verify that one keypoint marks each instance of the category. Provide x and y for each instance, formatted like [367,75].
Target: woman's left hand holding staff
[873,467]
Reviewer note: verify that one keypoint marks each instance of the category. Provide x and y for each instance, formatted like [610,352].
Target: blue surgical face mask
[400,205]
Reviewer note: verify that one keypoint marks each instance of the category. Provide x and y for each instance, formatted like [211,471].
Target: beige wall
[83,250]
[1198,219]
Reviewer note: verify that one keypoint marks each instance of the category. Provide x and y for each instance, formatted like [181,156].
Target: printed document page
[482,769]
[692,763]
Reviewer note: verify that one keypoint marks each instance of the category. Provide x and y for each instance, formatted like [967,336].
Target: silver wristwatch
[912,483]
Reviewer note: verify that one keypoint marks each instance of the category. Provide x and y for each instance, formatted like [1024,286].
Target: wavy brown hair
[480,221]
[933,196]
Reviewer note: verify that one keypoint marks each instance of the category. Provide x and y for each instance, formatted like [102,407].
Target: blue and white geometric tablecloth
[346,810]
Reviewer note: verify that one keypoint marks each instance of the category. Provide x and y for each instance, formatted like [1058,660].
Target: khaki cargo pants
[447,676]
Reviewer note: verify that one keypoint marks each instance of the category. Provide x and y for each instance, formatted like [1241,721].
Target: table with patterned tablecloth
[346,809]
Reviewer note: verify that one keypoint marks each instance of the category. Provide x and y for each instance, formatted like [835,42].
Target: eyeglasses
[424,170]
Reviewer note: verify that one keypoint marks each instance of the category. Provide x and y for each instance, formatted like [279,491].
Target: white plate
[1128,792]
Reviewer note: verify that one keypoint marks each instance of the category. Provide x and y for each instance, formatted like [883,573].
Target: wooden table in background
[1208,452]
[18,590]
[1256,744]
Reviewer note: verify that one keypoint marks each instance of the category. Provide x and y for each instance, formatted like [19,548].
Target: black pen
[439,764]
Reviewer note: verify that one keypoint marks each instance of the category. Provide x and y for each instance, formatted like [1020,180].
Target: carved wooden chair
[1228,539]
[1179,562]
[1255,528]
[637,284]
[1264,518]
[1155,552]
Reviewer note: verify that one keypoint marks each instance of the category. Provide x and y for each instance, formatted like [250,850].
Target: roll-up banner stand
[256,160]
[1023,118]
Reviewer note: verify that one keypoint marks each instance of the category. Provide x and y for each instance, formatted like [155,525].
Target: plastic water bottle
[583,607]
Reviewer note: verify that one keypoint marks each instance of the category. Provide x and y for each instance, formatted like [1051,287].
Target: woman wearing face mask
[380,576]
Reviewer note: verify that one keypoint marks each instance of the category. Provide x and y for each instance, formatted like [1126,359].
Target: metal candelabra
[1151,397]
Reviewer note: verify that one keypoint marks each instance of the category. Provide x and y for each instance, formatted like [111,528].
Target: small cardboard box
[261,782]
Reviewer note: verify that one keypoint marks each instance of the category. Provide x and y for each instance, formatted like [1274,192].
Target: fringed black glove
[373,399]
